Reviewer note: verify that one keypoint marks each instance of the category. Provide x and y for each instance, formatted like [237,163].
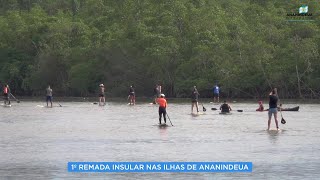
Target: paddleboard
[41,106]
[274,130]
[225,113]
[6,105]
[163,125]
[197,114]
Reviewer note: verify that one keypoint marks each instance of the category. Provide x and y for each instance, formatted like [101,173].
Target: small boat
[285,109]
[290,109]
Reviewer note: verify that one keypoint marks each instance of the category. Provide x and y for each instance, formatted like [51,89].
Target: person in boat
[260,108]
[194,99]
[273,103]
[225,107]
[6,94]
[102,99]
[49,96]
[132,96]
[162,108]
[216,91]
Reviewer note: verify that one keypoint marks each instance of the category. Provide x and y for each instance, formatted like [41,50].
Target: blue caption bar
[160,166]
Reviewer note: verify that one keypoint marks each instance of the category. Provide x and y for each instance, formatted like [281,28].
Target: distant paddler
[194,99]
[132,97]
[49,96]
[157,92]
[102,100]
[162,108]
[225,107]
[6,93]
[216,92]
[260,108]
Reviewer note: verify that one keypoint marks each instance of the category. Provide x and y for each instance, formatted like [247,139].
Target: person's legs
[197,105]
[269,118]
[192,104]
[164,115]
[160,114]
[276,119]
[51,100]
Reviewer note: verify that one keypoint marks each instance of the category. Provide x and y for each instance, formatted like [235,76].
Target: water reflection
[163,132]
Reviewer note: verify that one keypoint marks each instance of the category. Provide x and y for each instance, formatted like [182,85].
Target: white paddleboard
[197,114]
[274,130]
[6,105]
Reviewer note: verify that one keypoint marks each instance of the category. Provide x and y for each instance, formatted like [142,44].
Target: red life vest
[5,90]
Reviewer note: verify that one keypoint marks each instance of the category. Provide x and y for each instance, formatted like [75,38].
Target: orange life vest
[162,102]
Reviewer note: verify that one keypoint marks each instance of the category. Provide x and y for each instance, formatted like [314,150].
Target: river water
[38,142]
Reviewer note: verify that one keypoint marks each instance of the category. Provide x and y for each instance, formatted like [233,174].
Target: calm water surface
[38,142]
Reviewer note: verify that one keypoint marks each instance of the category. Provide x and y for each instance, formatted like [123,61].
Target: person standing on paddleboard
[49,95]
[102,98]
[162,108]
[6,92]
[132,97]
[194,99]
[216,91]
[225,107]
[273,103]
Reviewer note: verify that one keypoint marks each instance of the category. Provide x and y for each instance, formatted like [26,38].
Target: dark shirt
[225,108]
[273,101]
[131,90]
[195,95]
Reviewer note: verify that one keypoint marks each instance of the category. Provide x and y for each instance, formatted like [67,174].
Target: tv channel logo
[303,9]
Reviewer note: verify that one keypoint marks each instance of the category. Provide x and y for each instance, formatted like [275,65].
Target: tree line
[246,47]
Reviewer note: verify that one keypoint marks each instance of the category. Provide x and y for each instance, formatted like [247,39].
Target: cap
[162,95]
[101,85]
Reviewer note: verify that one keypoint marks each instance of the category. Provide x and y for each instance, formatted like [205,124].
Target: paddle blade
[204,109]
[214,109]
[240,110]
[283,121]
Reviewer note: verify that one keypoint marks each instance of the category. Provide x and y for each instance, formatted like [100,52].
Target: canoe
[286,109]
[290,109]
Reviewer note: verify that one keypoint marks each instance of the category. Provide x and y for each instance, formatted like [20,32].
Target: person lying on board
[260,108]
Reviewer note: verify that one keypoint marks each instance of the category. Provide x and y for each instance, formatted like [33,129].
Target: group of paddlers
[159,98]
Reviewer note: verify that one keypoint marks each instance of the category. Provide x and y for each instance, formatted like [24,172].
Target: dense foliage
[245,46]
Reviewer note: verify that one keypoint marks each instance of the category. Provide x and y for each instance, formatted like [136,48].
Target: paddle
[282,120]
[239,110]
[169,120]
[15,98]
[60,105]
[203,108]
